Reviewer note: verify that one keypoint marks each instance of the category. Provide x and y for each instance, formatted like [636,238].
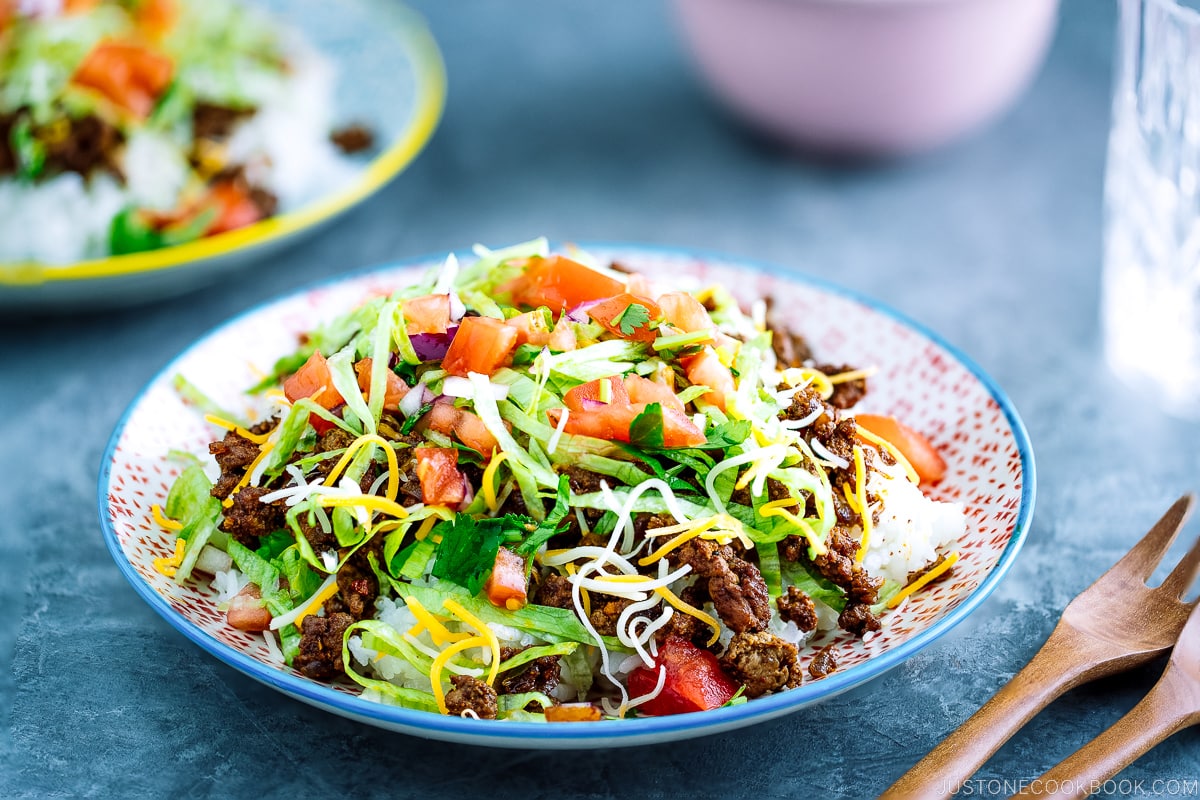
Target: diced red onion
[432,346]
[412,402]
[468,492]
[591,405]
[579,312]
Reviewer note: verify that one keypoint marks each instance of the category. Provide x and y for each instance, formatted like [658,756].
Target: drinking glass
[1151,279]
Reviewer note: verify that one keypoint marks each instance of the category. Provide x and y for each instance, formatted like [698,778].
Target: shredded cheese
[368,502]
[775,508]
[163,520]
[878,441]
[852,375]
[864,511]
[393,484]
[925,579]
[170,565]
[552,442]
[310,606]
[676,541]
[691,611]
[487,634]
[583,593]
[221,422]
[427,621]
[439,666]
[250,470]
[489,479]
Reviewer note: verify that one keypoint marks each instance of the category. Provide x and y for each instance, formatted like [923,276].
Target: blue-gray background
[585,121]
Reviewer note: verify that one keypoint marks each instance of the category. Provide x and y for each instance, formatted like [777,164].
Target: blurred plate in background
[390,77]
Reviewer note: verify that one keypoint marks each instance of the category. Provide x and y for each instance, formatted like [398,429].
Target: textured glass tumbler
[1151,286]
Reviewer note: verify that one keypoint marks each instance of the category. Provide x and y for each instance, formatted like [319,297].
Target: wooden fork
[1115,624]
[1172,705]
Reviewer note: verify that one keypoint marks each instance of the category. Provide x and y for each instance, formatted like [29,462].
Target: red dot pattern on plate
[917,380]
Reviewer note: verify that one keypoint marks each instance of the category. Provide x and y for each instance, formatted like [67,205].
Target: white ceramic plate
[921,379]
[390,76]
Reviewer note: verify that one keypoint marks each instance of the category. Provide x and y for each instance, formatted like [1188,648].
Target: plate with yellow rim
[920,378]
[390,76]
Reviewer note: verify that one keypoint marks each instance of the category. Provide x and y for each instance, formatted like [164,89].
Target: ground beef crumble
[762,662]
[471,694]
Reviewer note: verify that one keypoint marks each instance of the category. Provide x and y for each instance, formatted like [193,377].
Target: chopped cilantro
[551,525]
[632,317]
[412,421]
[467,551]
[646,430]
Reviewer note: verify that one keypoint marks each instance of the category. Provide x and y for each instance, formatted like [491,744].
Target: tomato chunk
[585,396]
[685,312]
[694,680]
[428,314]
[533,327]
[644,390]
[156,17]
[612,422]
[506,586]
[920,452]
[706,369]
[314,382]
[130,75]
[234,206]
[558,282]
[628,316]
[471,431]
[395,389]
[441,482]
[482,345]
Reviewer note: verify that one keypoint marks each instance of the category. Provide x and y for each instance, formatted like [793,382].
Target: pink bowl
[881,77]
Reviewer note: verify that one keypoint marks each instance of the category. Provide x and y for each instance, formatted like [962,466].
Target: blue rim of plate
[609,732]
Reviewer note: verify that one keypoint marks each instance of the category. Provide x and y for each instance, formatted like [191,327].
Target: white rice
[912,529]
[285,147]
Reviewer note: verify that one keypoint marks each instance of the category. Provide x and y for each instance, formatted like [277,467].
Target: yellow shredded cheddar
[924,580]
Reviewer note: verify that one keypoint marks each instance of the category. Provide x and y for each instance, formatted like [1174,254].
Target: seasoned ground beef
[353,139]
[685,626]
[839,566]
[91,144]
[847,393]
[790,349]
[249,518]
[736,586]
[796,606]
[858,619]
[606,610]
[823,663]
[540,675]
[233,454]
[320,655]
[8,161]
[357,588]
[762,662]
[471,694]
[554,590]
[212,121]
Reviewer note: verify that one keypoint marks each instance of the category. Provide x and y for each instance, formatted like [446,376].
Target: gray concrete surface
[584,121]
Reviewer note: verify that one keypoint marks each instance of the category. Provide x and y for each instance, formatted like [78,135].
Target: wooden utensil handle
[1052,671]
[1168,708]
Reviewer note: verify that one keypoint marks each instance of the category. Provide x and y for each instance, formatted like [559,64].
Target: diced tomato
[235,208]
[920,452]
[560,283]
[76,6]
[314,382]
[428,314]
[563,339]
[441,482]
[156,17]
[467,426]
[694,680]
[574,398]
[644,390]
[482,345]
[616,315]
[8,11]
[471,431]
[533,327]
[441,418]
[684,312]
[706,369]
[612,422]
[506,586]
[130,75]
[247,612]
[392,395]
[572,712]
